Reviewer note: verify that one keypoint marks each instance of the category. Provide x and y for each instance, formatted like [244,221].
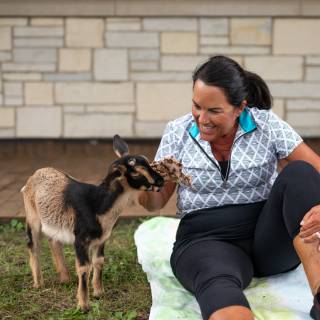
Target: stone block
[5,56]
[295,89]
[82,76]
[181,63]
[276,67]
[149,129]
[74,109]
[39,122]
[234,50]
[111,64]
[38,42]
[313,73]
[123,24]
[110,108]
[13,89]
[84,32]
[313,60]
[147,65]
[132,39]
[304,119]
[211,41]
[97,125]
[253,31]
[28,67]
[163,101]
[39,93]
[34,55]
[302,31]
[45,22]
[303,105]
[21,76]
[5,36]
[38,32]
[179,42]
[13,101]
[76,60]
[94,93]
[7,117]
[170,24]
[214,26]
[7,133]
[9,22]
[144,54]
[161,76]
[278,108]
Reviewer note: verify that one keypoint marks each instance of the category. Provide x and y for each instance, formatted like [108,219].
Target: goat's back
[44,193]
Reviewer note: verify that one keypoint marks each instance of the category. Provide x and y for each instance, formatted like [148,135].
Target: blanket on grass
[282,297]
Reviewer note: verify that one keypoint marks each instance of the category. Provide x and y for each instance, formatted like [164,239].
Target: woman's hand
[310,226]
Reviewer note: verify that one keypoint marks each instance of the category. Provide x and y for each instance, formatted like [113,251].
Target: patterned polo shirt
[261,140]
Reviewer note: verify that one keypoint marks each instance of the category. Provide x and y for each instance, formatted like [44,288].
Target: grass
[127,294]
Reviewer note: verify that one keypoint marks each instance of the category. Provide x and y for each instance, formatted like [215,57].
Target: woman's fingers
[310,231]
[313,238]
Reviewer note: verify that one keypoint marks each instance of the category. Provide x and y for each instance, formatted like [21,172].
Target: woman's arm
[302,152]
[154,201]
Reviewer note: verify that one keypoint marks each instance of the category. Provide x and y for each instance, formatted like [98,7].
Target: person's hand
[310,226]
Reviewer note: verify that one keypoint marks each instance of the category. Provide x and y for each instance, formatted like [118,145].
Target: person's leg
[277,247]
[216,273]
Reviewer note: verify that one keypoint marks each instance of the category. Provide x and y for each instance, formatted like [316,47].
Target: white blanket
[281,297]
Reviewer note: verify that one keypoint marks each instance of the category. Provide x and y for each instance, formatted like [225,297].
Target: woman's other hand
[310,226]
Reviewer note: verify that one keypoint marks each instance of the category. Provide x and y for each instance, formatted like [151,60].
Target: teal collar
[246,122]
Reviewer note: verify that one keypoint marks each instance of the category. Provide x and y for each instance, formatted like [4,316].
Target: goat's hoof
[98,294]
[65,279]
[85,309]
[38,285]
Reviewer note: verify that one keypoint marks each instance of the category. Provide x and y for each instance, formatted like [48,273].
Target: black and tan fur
[73,212]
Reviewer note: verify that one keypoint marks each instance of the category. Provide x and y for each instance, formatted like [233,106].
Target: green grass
[127,294]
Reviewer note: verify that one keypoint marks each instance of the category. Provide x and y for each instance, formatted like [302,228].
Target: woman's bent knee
[232,313]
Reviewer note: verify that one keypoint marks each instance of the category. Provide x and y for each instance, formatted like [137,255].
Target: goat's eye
[132,162]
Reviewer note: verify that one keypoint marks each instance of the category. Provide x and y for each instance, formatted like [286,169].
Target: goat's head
[135,168]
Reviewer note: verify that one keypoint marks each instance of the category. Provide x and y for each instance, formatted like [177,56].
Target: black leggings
[215,260]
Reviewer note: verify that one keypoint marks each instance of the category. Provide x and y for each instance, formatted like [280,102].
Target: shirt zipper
[224,179]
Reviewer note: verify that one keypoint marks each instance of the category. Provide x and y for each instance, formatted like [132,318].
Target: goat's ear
[120,147]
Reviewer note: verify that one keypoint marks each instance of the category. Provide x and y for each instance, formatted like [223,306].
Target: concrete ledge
[159,8]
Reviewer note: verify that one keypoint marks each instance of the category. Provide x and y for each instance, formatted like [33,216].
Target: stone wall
[96,76]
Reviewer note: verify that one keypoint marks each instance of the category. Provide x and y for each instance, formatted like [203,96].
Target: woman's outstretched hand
[310,226]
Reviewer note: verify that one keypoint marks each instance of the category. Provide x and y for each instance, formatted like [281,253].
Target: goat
[68,211]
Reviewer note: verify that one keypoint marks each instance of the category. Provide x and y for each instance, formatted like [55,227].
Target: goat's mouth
[154,188]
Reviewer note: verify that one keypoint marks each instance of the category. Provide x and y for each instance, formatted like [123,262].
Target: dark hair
[237,83]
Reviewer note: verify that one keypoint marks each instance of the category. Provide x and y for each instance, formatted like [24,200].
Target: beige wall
[129,72]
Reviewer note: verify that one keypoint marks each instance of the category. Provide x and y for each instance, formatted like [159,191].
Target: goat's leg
[97,263]
[34,235]
[83,270]
[58,258]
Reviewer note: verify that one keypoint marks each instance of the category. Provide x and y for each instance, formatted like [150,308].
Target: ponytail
[237,83]
[258,92]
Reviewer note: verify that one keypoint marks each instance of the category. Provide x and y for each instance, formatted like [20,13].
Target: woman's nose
[203,117]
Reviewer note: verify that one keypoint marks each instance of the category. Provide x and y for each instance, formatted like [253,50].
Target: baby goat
[73,212]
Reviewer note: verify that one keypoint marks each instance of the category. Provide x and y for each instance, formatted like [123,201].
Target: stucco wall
[129,71]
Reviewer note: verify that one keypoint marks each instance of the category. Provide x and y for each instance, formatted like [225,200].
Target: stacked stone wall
[96,76]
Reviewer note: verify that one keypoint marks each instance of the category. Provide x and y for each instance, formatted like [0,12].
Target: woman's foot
[315,310]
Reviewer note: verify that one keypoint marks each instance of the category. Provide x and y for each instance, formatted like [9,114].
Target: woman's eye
[196,107]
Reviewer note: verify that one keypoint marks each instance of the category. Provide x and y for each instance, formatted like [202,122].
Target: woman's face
[215,116]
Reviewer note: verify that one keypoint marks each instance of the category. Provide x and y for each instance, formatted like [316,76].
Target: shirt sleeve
[168,144]
[285,138]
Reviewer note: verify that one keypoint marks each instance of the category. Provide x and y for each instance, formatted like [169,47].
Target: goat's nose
[160,182]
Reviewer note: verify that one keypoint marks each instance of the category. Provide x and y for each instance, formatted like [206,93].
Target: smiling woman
[239,218]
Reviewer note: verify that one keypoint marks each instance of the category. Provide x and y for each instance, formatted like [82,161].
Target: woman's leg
[295,191]
[216,273]
[277,245]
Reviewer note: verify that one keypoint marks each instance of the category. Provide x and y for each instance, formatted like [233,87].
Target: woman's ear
[244,103]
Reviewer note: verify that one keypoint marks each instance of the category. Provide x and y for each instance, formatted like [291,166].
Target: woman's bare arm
[153,201]
[302,152]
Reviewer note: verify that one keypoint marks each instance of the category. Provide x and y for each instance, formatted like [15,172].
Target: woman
[240,218]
